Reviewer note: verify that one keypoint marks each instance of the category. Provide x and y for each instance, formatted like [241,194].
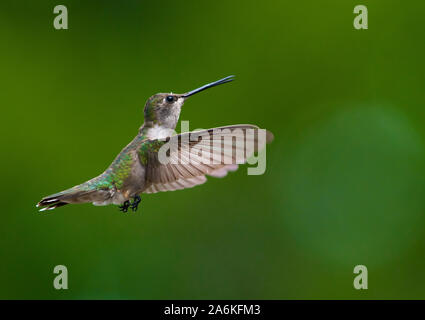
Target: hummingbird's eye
[170,99]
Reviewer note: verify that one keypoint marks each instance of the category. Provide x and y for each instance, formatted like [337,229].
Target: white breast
[158,132]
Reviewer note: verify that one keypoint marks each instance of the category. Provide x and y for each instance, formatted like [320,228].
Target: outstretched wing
[183,160]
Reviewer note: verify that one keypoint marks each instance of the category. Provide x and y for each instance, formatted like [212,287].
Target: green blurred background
[344,183]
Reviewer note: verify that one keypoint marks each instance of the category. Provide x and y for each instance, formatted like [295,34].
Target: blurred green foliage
[344,183]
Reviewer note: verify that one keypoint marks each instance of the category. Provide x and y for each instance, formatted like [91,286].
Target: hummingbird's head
[163,109]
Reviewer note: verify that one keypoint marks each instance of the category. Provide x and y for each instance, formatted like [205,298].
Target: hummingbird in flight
[138,169]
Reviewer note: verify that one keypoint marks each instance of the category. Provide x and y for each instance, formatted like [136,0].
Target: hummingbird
[137,169]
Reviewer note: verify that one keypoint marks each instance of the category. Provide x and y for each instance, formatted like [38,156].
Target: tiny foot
[124,207]
[135,203]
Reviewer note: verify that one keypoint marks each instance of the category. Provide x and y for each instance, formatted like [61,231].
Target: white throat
[159,132]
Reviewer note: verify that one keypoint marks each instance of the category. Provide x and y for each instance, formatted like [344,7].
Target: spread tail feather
[60,199]
[51,205]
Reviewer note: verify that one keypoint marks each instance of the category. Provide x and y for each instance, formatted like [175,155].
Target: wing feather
[212,152]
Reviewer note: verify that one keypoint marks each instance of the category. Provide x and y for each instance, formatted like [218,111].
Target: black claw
[135,204]
[124,207]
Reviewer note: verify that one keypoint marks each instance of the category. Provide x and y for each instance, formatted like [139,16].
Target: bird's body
[138,168]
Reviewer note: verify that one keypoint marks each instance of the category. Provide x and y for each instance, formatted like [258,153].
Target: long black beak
[209,85]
